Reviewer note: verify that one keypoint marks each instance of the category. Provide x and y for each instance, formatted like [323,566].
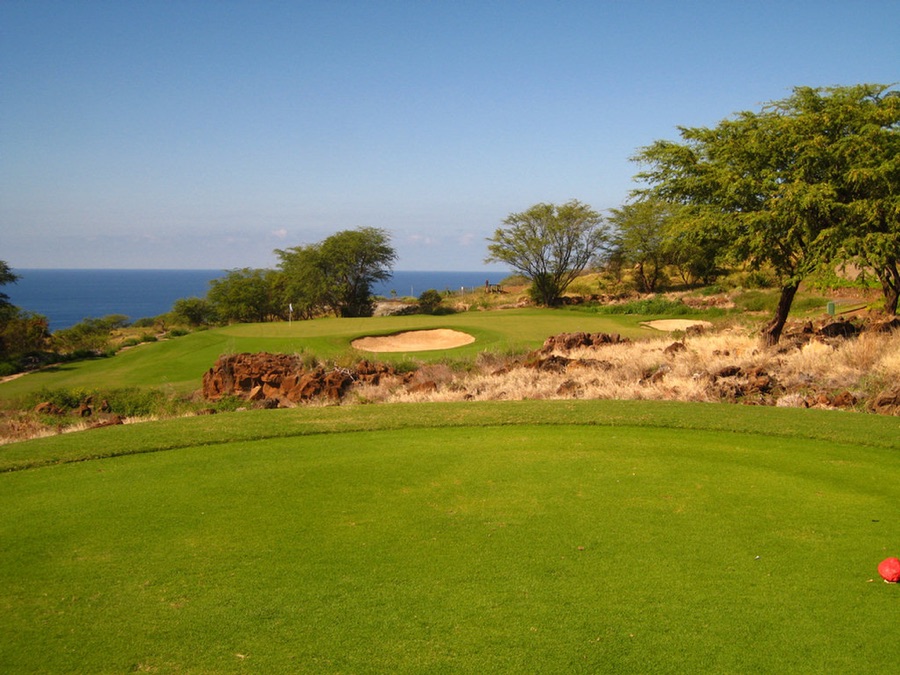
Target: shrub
[759,279]
[429,301]
[146,322]
[656,305]
[756,301]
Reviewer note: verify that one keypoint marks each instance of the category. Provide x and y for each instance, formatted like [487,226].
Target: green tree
[338,273]
[193,311]
[7,276]
[864,164]
[23,333]
[246,296]
[644,239]
[429,301]
[305,280]
[90,335]
[551,245]
[774,184]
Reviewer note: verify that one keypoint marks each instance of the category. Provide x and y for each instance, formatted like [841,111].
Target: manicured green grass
[178,365]
[578,536]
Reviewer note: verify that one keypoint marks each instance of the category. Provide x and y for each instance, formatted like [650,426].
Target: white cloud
[422,239]
[280,233]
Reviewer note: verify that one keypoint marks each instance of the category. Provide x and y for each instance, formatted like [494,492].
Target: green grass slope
[178,365]
[581,536]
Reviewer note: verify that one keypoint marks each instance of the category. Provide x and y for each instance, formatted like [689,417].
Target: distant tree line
[333,276]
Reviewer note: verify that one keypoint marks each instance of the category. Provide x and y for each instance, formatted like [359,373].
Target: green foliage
[756,301]
[91,336]
[429,301]
[144,322]
[550,245]
[193,312]
[23,333]
[241,296]
[759,279]
[337,274]
[124,401]
[7,276]
[808,179]
[657,305]
[644,240]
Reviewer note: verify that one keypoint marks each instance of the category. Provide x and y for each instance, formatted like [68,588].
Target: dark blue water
[67,297]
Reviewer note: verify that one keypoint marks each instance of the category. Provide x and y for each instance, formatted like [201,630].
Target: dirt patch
[414,341]
[675,324]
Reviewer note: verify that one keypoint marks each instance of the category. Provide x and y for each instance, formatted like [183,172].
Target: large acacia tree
[338,273]
[549,244]
[790,186]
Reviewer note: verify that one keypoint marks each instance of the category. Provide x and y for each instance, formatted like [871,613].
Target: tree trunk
[772,332]
[890,287]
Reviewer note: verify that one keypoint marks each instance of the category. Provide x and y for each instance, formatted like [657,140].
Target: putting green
[536,547]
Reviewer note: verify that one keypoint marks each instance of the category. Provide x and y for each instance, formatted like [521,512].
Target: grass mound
[517,536]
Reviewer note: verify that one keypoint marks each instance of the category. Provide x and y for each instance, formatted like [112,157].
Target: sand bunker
[675,324]
[414,341]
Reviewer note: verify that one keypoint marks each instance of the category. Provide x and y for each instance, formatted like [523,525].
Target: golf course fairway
[577,536]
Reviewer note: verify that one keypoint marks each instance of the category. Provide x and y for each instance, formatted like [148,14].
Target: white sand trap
[414,341]
[675,324]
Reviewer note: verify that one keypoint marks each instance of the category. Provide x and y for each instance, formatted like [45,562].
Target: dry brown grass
[730,365]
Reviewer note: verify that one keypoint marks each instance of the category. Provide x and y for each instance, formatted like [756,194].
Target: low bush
[146,322]
[756,301]
[125,401]
[656,305]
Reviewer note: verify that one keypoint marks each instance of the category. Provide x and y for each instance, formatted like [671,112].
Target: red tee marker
[889,569]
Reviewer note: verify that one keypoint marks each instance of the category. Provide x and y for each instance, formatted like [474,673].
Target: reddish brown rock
[569,388]
[425,387]
[566,342]
[886,403]
[48,408]
[844,400]
[282,380]
[674,348]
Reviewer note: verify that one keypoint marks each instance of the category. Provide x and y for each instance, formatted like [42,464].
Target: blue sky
[176,134]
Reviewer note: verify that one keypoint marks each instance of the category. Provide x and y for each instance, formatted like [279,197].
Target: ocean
[68,296]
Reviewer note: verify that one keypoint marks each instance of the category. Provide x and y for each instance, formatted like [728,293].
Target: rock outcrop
[566,342]
[282,380]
